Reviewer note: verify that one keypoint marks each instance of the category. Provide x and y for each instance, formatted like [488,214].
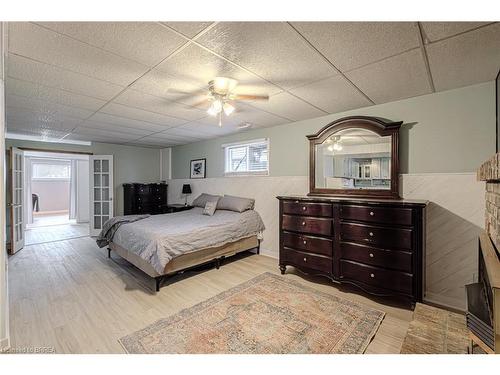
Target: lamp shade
[186,189]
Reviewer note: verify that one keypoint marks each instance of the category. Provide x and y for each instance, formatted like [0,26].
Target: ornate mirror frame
[376,125]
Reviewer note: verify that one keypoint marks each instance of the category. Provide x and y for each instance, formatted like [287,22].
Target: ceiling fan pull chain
[220,119]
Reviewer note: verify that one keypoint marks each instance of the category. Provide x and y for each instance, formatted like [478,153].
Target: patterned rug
[435,331]
[267,314]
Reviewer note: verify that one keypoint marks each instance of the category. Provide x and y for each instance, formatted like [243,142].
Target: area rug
[267,314]
[435,331]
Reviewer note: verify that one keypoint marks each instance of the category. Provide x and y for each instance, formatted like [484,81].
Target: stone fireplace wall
[490,172]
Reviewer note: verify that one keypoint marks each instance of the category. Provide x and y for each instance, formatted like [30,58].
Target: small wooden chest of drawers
[376,245]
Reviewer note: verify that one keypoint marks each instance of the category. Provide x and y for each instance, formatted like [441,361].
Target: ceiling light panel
[349,45]
[145,42]
[50,47]
[273,50]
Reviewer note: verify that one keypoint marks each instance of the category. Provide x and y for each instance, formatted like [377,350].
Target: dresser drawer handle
[371,234]
[303,223]
[372,213]
[305,242]
[304,208]
[305,259]
[296,201]
[371,255]
[372,275]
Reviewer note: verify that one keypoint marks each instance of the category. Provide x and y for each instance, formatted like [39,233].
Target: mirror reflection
[354,159]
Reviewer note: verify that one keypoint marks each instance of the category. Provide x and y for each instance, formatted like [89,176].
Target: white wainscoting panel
[454,218]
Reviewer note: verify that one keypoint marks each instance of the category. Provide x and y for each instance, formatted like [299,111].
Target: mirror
[355,156]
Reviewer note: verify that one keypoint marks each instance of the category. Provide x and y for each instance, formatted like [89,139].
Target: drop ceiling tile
[159,105]
[465,59]
[141,115]
[272,50]
[44,107]
[196,66]
[440,30]
[42,133]
[334,94]
[189,29]
[98,139]
[47,46]
[106,133]
[208,128]
[33,118]
[126,122]
[145,42]
[395,78]
[162,84]
[116,128]
[288,107]
[183,133]
[51,76]
[145,145]
[349,45]
[51,95]
[163,142]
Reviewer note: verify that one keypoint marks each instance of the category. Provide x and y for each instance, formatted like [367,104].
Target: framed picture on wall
[198,168]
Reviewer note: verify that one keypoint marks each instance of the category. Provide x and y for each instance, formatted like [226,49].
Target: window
[246,158]
[58,171]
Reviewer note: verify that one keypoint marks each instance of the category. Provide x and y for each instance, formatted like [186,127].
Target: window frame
[225,152]
[49,162]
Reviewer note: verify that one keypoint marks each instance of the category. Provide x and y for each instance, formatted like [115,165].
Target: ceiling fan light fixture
[215,108]
[224,85]
[228,109]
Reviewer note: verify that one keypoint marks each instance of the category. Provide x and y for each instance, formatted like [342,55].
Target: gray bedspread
[111,226]
[160,238]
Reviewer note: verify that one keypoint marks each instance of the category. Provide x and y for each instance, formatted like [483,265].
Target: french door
[16,204]
[101,191]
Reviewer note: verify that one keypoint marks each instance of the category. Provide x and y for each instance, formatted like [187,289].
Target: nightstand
[171,208]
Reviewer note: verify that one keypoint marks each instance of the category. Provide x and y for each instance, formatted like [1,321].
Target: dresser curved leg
[282,269]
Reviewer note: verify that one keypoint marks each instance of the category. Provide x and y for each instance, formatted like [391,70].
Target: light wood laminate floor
[49,233]
[70,296]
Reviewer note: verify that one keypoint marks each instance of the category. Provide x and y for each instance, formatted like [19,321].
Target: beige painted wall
[53,195]
[451,131]
[4,308]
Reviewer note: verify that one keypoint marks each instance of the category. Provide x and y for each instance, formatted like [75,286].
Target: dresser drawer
[307,260]
[383,215]
[397,260]
[305,224]
[392,238]
[307,209]
[376,276]
[311,244]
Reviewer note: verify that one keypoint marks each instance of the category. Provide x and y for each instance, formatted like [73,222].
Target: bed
[162,245]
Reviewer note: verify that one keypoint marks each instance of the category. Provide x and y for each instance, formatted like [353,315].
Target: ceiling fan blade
[200,103]
[250,97]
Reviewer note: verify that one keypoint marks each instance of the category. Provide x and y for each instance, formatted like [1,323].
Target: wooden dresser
[145,198]
[377,245]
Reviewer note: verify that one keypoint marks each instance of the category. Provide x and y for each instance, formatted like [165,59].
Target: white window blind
[247,158]
[51,171]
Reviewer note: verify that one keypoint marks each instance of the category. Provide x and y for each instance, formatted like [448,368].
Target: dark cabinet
[144,198]
[375,245]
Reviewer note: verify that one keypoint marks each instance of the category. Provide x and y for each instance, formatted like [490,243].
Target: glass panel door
[101,192]
[17,199]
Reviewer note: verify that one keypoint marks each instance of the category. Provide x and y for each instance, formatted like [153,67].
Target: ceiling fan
[221,97]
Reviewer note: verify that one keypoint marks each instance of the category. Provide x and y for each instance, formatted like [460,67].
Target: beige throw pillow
[210,208]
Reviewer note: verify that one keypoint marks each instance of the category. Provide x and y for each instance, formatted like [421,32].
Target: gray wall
[131,164]
[451,131]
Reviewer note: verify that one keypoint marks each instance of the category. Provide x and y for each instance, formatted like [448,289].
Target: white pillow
[210,208]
